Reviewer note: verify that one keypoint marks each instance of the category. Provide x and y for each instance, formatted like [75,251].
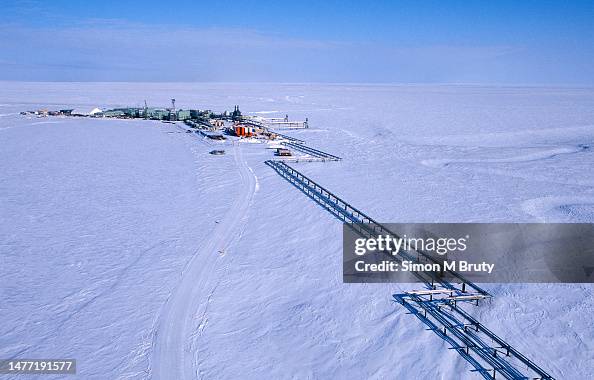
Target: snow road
[185,313]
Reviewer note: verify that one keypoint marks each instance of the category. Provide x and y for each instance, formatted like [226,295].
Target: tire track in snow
[173,355]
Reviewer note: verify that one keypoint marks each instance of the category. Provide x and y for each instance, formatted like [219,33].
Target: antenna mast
[172,114]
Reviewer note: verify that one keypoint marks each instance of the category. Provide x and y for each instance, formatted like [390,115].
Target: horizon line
[469,84]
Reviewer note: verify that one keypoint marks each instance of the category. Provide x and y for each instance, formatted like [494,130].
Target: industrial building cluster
[207,123]
[150,113]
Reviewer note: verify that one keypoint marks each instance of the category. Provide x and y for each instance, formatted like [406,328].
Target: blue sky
[491,42]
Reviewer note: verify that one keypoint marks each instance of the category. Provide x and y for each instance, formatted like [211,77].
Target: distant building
[247,130]
[217,123]
[157,114]
[114,113]
[131,112]
[242,131]
[183,115]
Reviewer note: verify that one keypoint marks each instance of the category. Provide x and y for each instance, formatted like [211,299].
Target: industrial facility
[246,125]
[214,127]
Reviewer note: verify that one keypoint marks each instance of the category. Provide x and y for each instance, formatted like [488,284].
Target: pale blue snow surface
[100,218]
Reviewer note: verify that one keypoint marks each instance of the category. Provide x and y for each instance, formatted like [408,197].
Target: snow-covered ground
[125,245]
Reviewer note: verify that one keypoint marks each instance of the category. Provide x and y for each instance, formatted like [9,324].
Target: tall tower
[236,115]
[172,114]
